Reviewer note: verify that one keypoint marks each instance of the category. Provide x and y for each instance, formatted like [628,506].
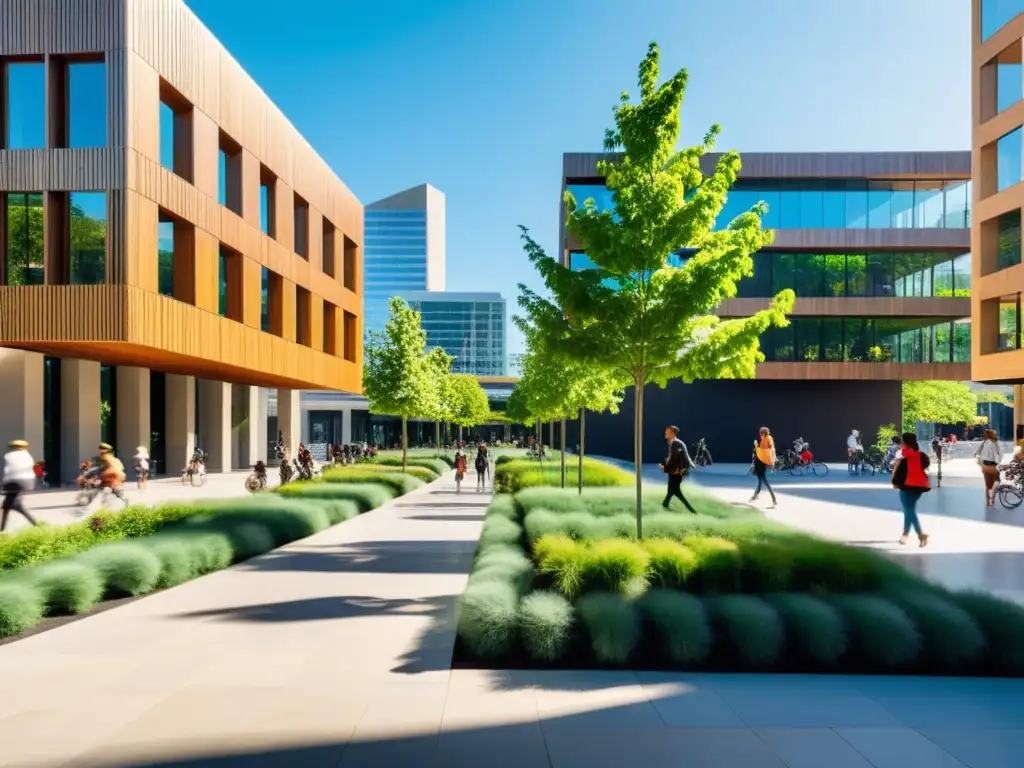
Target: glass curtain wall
[88,237]
[878,340]
[24,251]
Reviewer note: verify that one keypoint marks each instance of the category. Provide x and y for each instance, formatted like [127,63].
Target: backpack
[481,462]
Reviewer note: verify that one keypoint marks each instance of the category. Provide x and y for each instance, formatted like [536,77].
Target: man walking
[19,477]
[676,465]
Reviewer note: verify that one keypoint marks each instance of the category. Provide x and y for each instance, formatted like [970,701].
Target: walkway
[335,651]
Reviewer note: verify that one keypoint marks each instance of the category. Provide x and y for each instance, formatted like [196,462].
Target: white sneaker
[773,505]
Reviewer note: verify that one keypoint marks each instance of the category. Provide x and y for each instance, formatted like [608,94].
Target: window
[330,340]
[349,267]
[265,300]
[996,14]
[229,298]
[1008,238]
[229,176]
[1009,323]
[349,336]
[165,255]
[303,317]
[301,227]
[272,308]
[328,248]
[268,183]
[1008,161]
[86,104]
[87,221]
[1009,78]
[222,284]
[24,108]
[957,204]
[24,253]
[928,206]
[175,132]
[175,258]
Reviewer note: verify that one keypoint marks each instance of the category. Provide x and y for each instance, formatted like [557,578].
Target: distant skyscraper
[468,326]
[403,249]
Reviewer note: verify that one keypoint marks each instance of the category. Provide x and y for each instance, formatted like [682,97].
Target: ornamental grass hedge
[513,475]
[560,580]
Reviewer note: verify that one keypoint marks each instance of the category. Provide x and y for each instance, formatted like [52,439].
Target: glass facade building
[468,326]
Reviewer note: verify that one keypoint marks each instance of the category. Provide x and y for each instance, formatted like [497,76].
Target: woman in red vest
[910,477]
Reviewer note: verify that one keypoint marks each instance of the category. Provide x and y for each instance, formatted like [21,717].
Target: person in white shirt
[988,456]
[854,450]
[19,476]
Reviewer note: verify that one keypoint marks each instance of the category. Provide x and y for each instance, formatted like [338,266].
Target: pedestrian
[141,464]
[676,465]
[988,456]
[910,477]
[480,464]
[19,477]
[764,457]
[112,475]
[460,469]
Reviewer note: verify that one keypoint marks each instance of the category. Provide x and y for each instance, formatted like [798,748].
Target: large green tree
[468,401]
[439,401]
[396,377]
[939,402]
[635,312]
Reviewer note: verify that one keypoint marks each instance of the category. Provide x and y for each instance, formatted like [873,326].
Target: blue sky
[480,98]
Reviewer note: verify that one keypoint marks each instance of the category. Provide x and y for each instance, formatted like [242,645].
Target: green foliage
[468,401]
[399,482]
[671,564]
[396,380]
[67,587]
[950,639]
[719,564]
[127,568]
[504,505]
[505,564]
[177,564]
[545,625]
[488,618]
[21,607]
[614,565]
[814,628]
[680,624]
[437,464]
[613,625]
[438,366]
[369,494]
[500,530]
[886,433]
[1003,624]
[514,476]
[882,635]
[611,500]
[749,628]
[991,396]
[766,566]
[941,402]
[561,558]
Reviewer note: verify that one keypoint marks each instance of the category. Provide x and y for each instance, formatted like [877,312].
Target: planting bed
[560,581]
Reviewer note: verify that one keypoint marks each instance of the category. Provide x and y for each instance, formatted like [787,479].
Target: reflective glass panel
[166,137]
[943,279]
[835,267]
[783,272]
[26,105]
[902,205]
[1009,323]
[265,209]
[265,300]
[1008,168]
[222,284]
[1009,81]
[1008,235]
[790,209]
[760,283]
[879,205]
[833,207]
[811,211]
[807,337]
[88,238]
[771,199]
[962,341]
[995,14]
[165,256]
[857,206]
[24,258]
[956,204]
[832,340]
[928,204]
[942,343]
[87,104]
[857,335]
[961,275]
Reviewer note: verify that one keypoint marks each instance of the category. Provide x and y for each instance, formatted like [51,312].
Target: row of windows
[995,14]
[843,204]
[77,113]
[1005,72]
[885,274]
[889,340]
[396,216]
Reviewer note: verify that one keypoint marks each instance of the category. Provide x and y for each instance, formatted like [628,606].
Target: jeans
[908,500]
[759,470]
[675,488]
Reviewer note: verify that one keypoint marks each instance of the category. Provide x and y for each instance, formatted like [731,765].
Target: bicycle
[701,454]
[194,473]
[1009,491]
[857,464]
[802,447]
[257,479]
[789,461]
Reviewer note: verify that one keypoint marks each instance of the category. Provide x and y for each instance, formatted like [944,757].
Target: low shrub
[719,564]
[504,505]
[67,587]
[488,618]
[506,564]
[606,501]
[614,565]
[500,530]
[815,630]
[881,634]
[680,624]
[1003,624]
[561,558]
[127,568]
[177,564]
[515,475]
[749,629]
[439,464]
[671,564]
[545,625]
[249,538]
[613,625]
[209,550]
[766,566]
[951,639]
[21,607]
[368,473]
[368,495]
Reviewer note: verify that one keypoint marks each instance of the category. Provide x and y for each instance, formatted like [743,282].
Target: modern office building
[997,116]
[876,247]
[468,326]
[404,249]
[170,246]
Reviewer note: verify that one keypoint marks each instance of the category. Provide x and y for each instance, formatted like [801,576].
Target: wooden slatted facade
[151,47]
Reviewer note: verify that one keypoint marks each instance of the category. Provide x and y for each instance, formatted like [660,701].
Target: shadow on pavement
[340,607]
[469,517]
[412,557]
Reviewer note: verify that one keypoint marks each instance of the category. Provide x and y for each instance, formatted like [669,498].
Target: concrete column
[215,424]
[133,428]
[288,418]
[346,426]
[180,421]
[1018,409]
[21,408]
[79,414]
[260,436]
[245,416]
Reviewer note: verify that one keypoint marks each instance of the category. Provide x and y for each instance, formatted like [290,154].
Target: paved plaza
[336,651]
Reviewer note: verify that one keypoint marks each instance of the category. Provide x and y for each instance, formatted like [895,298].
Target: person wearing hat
[19,476]
[112,475]
[141,462]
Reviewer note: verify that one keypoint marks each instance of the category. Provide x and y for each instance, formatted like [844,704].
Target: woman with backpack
[910,477]
[480,464]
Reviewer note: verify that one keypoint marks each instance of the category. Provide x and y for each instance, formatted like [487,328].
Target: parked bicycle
[195,471]
[1010,490]
[700,454]
[805,459]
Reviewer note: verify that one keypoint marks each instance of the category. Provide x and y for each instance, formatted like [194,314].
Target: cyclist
[854,450]
[112,475]
[892,452]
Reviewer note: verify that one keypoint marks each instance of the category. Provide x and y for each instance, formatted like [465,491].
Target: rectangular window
[303,317]
[229,299]
[222,284]
[957,203]
[1009,77]
[24,107]
[942,338]
[87,221]
[996,14]
[879,204]
[857,205]
[1008,234]
[175,132]
[176,258]
[349,267]
[349,336]
[265,300]
[275,303]
[962,341]
[329,233]
[928,211]
[165,255]
[1009,323]
[1008,162]
[87,103]
[301,227]
[902,205]
[268,184]
[330,328]
[23,264]
[229,176]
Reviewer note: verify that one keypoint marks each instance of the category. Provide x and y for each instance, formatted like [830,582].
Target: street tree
[938,402]
[469,406]
[439,401]
[396,377]
[646,309]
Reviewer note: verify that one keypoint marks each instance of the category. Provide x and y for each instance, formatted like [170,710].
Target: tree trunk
[437,435]
[561,437]
[638,452]
[405,443]
[583,431]
[551,435]
[460,435]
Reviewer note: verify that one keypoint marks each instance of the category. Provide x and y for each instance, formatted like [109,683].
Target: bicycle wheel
[198,478]
[819,468]
[795,470]
[1010,496]
[185,477]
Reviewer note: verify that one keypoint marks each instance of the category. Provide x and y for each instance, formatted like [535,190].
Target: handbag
[899,474]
